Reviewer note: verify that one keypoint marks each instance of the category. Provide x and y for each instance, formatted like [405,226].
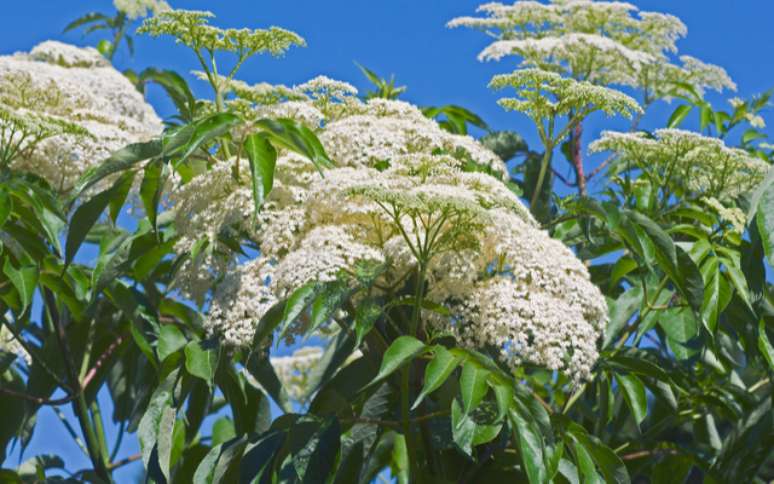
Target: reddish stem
[577,157]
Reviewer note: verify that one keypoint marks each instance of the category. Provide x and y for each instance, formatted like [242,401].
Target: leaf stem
[541,176]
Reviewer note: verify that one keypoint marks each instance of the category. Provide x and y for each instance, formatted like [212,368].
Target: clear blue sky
[407,38]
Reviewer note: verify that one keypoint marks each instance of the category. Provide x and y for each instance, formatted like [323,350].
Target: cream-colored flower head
[545,95]
[9,344]
[192,28]
[686,162]
[135,9]
[603,42]
[71,110]
[403,193]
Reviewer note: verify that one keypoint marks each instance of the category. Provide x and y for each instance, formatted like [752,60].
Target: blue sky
[407,38]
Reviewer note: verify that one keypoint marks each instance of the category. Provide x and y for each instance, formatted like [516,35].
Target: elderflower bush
[687,163]
[598,41]
[406,196]
[447,332]
[58,127]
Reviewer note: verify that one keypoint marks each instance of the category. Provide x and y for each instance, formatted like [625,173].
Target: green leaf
[118,161]
[473,386]
[201,360]
[339,349]
[463,428]
[757,194]
[259,457]
[175,87]
[171,339]
[351,465]
[620,311]
[568,470]
[151,188]
[679,115]
[206,469]
[717,294]
[156,428]
[223,430]
[120,191]
[705,117]
[672,469]
[437,371]
[764,345]
[263,158]
[24,280]
[221,464]
[295,136]
[326,303]
[504,396]
[586,465]
[486,433]
[736,276]
[366,315]
[6,206]
[314,445]
[400,352]
[635,396]
[110,262]
[457,118]
[673,260]
[530,445]
[86,19]
[83,220]
[765,221]
[613,469]
[296,304]
[751,135]
[370,75]
[679,324]
[691,283]
[208,129]
[260,367]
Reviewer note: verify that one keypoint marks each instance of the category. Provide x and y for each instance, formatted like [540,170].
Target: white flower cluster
[311,102]
[611,59]
[240,296]
[404,195]
[687,162]
[731,215]
[662,79]
[545,95]
[192,28]
[9,344]
[135,9]
[598,41]
[74,87]
[294,371]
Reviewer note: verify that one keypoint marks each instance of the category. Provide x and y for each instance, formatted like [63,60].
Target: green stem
[119,33]
[542,175]
[80,408]
[99,428]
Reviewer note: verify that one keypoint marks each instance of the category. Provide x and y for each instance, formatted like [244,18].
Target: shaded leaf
[263,158]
